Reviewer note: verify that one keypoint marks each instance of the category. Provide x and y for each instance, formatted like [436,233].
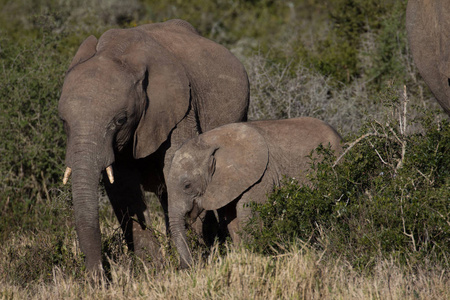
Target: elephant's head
[211,171]
[428,27]
[121,93]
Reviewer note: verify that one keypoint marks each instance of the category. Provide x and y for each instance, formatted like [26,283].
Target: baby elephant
[232,165]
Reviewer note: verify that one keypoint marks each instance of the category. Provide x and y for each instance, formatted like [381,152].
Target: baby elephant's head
[191,171]
[210,171]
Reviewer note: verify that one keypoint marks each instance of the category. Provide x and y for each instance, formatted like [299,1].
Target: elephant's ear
[86,50]
[240,158]
[428,27]
[168,93]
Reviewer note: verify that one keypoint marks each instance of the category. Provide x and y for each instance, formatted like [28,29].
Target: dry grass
[240,274]
[300,273]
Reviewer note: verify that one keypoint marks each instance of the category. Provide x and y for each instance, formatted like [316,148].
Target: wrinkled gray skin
[227,167]
[428,27]
[129,99]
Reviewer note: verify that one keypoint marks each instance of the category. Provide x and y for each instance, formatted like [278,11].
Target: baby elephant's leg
[228,221]
[233,229]
[244,210]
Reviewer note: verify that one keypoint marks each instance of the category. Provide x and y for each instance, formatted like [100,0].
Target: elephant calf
[227,167]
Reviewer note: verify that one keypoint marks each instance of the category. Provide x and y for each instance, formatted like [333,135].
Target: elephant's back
[291,142]
[176,25]
[194,50]
[218,79]
[305,132]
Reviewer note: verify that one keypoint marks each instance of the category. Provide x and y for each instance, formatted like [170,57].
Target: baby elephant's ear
[86,50]
[240,161]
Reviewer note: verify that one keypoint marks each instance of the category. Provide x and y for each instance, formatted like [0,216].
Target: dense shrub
[388,196]
[31,136]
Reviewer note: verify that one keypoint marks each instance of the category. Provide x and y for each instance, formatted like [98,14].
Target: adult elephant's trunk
[87,163]
[178,232]
[85,204]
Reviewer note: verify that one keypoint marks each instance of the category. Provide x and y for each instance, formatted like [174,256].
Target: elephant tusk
[109,172]
[67,175]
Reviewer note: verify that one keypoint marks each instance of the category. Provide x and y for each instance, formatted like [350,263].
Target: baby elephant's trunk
[178,232]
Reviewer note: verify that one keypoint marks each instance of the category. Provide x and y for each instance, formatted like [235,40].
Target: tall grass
[300,273]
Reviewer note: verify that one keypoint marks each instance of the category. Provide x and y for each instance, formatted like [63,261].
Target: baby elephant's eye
[187,185]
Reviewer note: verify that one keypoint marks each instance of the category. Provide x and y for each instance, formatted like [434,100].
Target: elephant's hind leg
[244,211]
[229,223]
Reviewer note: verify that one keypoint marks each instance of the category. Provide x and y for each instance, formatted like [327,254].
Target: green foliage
[387,58]
[389,197]
[226,22]
[32,140]
[339,54]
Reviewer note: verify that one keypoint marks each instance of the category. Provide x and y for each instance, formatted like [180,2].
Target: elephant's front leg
[127,199]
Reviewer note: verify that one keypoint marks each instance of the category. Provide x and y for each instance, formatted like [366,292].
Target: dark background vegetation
[344,61]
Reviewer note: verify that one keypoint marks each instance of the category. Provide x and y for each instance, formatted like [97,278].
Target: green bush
[340,54]
[388,197]
[224,21]
[32,139]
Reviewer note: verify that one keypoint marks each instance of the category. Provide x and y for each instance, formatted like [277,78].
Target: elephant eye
[187,185]
[121,121]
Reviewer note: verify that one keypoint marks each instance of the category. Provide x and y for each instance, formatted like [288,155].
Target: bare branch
[410,235]
[379,155]
[351,145]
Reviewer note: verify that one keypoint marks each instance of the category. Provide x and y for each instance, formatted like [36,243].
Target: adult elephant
[428,27]
[129,100]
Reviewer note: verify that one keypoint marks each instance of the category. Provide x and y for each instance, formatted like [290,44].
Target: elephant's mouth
[195,212]
[109,172]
